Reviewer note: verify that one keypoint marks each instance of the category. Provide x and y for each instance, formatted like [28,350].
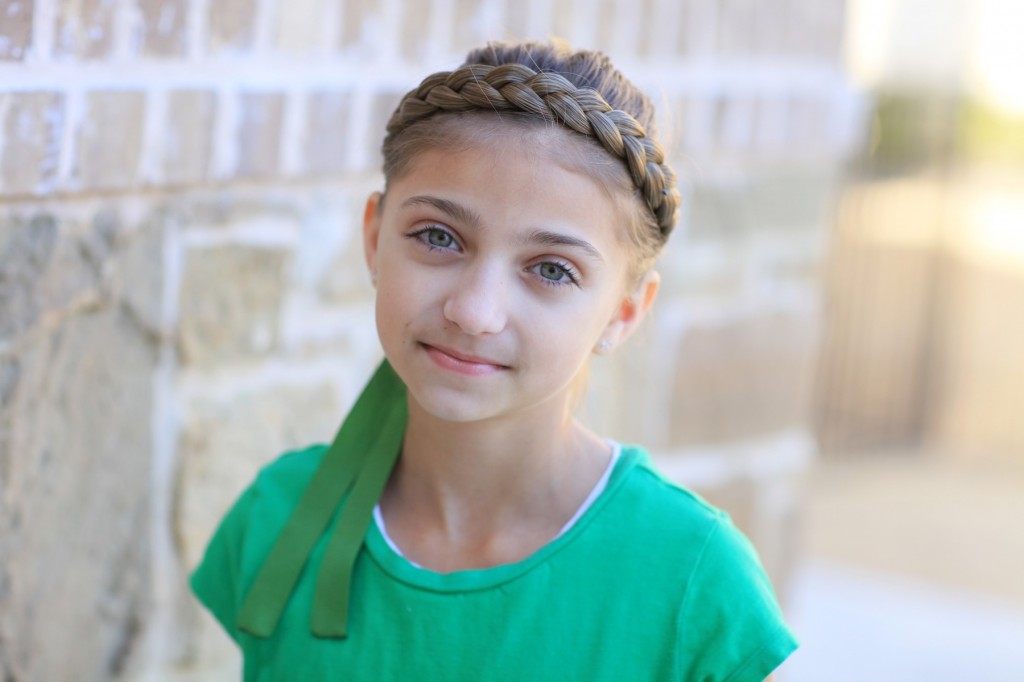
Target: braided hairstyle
[540,83]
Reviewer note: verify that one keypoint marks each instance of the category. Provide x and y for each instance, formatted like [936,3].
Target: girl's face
[498,272]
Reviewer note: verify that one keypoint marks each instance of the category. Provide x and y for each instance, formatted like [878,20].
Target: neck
[464,484]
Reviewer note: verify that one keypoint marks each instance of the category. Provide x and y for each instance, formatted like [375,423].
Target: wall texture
[182,294]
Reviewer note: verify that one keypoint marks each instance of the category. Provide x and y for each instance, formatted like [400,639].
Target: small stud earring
[604,346]
[373,279]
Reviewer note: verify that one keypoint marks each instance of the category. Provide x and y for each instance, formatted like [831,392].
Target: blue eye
[556,274]
[439,238]
[435,238]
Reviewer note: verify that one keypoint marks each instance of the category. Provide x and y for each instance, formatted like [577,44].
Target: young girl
[464,525]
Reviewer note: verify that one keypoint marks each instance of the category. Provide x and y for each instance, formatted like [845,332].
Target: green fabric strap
[360,459]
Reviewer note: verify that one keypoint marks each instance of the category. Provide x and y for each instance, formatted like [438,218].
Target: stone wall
[182,294]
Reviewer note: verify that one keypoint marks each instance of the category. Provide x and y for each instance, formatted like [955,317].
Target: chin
[452,406]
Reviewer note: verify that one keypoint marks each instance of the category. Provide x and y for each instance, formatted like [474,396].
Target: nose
[477,302]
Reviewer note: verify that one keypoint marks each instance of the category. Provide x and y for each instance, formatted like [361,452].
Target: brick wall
[182,294]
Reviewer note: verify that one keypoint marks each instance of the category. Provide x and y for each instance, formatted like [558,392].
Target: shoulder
[729,623]
[284,479]
[662,506]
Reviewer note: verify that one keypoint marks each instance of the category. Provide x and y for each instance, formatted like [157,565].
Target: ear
[371,231]
[630,312]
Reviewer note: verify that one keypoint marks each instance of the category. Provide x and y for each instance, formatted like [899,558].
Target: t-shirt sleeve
[730,625]
[215,581]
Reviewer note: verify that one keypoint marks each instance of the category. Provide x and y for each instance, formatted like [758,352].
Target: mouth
[463,363]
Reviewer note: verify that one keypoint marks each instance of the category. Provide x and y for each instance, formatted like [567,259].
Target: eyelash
[422,235]
[568,270]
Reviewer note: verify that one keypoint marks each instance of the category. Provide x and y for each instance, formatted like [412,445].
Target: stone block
[188,136]
[30,133]
[232,25]
[109,141]
[43,268]
[16,29]
[85,29]
[347,279]
[259,134]
[163,31]
[225,440]
[76,414]
[224,443]
[743,379]
[230,303]
[327,138]
[137,278]
[52,267]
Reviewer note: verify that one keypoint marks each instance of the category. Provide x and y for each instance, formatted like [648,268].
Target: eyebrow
[548,238]
[457,211]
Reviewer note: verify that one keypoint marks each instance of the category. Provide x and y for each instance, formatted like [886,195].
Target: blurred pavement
[913,572]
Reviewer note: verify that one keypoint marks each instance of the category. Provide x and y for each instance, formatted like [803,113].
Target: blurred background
[836,357]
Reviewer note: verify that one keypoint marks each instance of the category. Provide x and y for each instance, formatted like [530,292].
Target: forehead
[551,143]
[512,178]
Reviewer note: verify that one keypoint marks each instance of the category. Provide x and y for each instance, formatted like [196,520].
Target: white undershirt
[595,492]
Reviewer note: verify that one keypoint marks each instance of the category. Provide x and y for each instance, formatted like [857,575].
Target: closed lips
[466,357]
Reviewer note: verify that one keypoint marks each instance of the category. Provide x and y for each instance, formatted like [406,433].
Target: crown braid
[551,97]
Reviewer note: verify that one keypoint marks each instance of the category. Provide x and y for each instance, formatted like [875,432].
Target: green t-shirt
[650,583]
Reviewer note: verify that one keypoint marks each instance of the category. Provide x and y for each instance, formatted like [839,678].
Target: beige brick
[298,26]
[77,415]
[259,134]
[347,280]
[415,30]
[15,29]
[383,106]
[355,19]
[607,22]
[468,32]
[696,37]
[743,379]
[230,303]
[30,130]
[110,140]
[831,31]
[327,139]
[517,19]
[85,28]
[164,27]
[232,25]
[188,140]
[735,27]
[770,19]
[563,16]
[225,442]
